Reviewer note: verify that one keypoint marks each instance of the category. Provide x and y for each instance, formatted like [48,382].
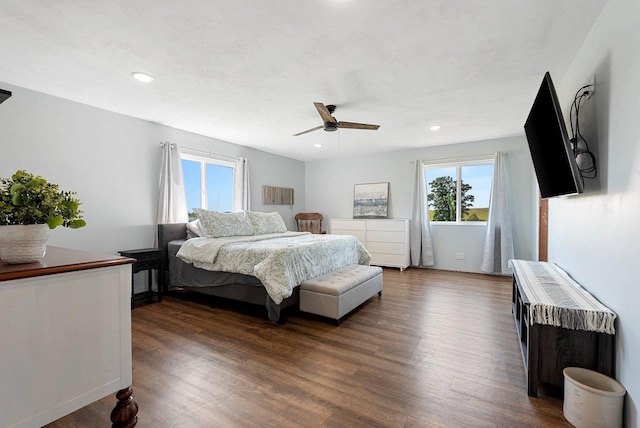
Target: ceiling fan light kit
[331,124]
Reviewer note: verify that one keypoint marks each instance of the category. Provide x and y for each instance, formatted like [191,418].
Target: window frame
[458,165]
[204,161]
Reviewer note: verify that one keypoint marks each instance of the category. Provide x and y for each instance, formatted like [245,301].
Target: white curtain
[241,195]
[421,245]
[172,200]
[498,246]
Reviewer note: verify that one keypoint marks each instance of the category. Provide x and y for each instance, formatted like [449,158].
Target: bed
[263,266]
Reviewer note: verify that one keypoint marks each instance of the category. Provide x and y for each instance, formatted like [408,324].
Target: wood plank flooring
[438,349]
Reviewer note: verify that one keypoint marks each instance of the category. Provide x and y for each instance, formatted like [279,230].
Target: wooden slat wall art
[277,195]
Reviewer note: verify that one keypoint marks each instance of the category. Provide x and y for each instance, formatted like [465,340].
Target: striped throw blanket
[556,299]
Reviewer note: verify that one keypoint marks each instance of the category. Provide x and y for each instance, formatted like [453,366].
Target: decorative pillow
[266,222]
[194,229]
[217,225]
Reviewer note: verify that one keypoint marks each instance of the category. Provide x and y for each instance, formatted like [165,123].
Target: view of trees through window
[459,192]
[207,185]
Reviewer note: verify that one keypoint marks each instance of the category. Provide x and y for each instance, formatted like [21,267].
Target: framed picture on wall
[370,200]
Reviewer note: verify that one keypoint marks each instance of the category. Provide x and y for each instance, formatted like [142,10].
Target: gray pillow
[266,222]
[217,225]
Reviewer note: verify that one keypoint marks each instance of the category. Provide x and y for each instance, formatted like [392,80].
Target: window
[208,183]
[459,192]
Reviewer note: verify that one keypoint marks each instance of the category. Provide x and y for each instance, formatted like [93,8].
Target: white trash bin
[592,399]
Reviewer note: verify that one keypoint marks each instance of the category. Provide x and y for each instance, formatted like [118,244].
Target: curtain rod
[209,154]
[460,158]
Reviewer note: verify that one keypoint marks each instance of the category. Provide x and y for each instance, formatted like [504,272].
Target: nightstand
[147,259]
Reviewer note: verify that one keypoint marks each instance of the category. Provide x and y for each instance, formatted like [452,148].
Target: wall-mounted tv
[553,157]
[4,95]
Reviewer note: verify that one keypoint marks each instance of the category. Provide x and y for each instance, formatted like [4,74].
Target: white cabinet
[65,330]
[386,239]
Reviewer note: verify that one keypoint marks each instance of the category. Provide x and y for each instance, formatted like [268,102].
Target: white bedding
[281,261]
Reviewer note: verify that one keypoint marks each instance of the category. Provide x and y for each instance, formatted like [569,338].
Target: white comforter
[281,261]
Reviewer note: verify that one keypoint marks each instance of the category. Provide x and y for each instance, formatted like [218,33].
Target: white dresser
[386,239]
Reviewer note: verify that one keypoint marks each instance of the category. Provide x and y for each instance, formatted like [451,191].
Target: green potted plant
[29,208]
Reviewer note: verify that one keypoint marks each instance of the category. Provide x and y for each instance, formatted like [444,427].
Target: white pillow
[266,222]
[194,229]
[217,225]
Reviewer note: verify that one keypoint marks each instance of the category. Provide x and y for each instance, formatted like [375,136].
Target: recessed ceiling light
[317,145]
[435,127]
[142,77]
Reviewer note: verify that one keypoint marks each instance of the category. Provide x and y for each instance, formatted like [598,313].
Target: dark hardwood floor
[438,349]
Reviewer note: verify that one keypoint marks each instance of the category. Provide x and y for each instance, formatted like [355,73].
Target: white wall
[329,190]
[113,162]
[594,236]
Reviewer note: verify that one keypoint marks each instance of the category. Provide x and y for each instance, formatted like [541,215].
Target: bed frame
[246,293]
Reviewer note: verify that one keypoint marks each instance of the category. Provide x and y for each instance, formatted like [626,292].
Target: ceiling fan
[331,123]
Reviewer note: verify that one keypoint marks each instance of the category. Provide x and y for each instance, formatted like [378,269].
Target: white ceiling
[248,71]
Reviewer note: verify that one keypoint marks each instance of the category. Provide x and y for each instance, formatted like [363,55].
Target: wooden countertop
[59,260]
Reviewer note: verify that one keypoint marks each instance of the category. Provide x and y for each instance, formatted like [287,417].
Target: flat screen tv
[4,95]
[553,158]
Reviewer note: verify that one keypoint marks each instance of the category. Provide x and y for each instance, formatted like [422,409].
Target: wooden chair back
[309,222]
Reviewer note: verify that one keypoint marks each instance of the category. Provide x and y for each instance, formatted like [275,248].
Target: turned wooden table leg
[124,415]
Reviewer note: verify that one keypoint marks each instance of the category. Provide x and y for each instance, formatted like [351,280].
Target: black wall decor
[4,95]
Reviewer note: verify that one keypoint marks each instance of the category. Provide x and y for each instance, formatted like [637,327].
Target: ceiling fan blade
[308,130]
[353,125]
[324,113]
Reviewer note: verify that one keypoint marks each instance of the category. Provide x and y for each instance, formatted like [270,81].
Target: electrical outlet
[592,87]
[459,256]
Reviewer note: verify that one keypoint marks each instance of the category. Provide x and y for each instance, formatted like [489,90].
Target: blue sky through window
[480,178]
[191,174]
[219,188]
[218,185]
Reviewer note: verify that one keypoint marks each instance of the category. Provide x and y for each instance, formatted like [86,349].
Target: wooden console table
[65,330]
[547,348]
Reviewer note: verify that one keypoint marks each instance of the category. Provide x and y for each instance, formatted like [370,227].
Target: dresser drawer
[360,234]
[145,264]
[382,236]
[386,248]
[388,225]
[348,225]
[392,260]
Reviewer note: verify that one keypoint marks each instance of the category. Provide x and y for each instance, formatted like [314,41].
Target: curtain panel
[172,200]
[421,245]
[241,193]
[498,246]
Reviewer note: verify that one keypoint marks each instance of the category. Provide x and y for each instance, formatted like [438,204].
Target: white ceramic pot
[592,399]
[24,243]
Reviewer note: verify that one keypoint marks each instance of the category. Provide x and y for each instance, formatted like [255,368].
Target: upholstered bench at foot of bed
[337,293]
